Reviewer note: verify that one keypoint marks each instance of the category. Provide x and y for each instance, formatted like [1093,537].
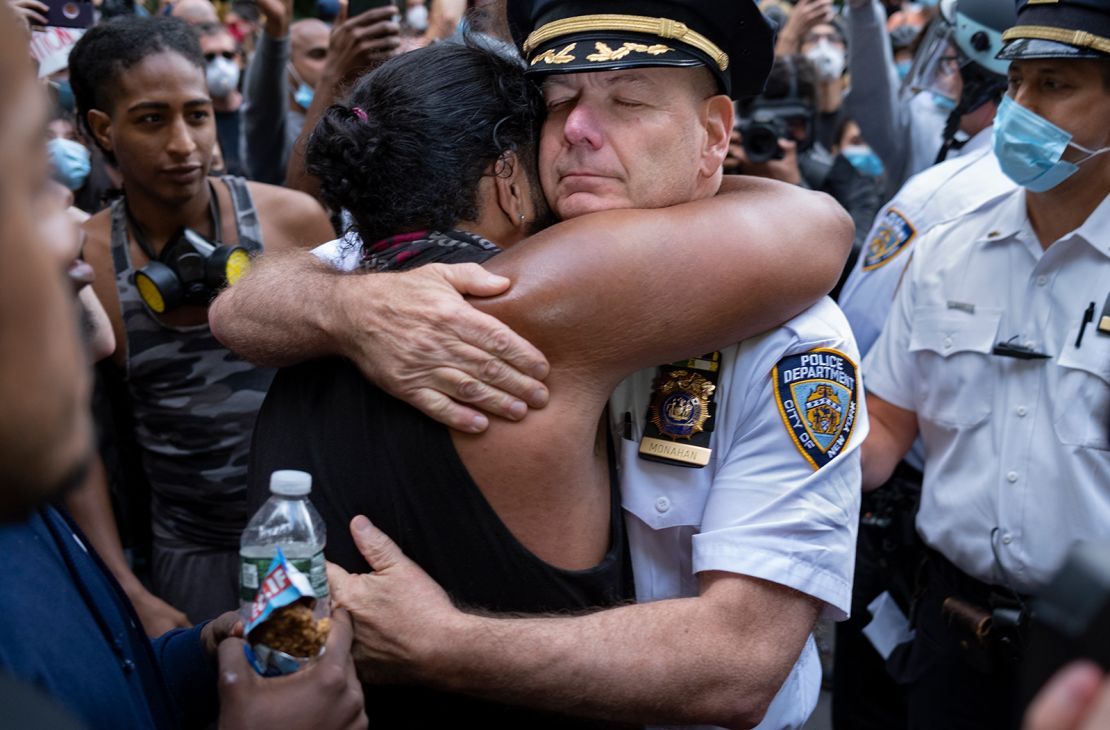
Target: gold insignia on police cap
[550,56]
[605,53]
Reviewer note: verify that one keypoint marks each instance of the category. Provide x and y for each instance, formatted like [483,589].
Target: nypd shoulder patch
[817,394]
[894,234]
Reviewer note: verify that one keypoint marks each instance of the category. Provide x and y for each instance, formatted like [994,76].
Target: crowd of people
[630,346]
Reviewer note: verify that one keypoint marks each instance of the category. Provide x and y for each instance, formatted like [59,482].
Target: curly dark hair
[101,56]
[429,124]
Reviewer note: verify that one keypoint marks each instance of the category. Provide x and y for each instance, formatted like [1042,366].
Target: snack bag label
[280,585]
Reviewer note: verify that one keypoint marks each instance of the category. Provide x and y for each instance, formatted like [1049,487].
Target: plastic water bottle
[289,521]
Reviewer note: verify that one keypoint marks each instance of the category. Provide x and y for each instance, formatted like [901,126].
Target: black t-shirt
[371,454]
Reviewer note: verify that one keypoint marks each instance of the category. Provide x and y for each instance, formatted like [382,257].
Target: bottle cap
[290,483]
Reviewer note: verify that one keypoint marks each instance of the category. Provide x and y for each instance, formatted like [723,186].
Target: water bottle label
[249,578]
[318,575]
[315,568]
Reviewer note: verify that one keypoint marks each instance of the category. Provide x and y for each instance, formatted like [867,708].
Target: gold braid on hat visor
[661,27]
[1078,38]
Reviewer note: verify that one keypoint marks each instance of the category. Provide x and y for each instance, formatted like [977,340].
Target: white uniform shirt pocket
[662,495]
[952,348]
[1082,399]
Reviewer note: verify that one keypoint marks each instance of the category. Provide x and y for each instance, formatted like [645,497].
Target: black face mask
[190,270]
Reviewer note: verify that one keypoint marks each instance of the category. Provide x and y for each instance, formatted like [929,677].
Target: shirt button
[1028,344]
[1011,476]
[1007,539]
[662,505]
[1042,280]
[947,342]
[1021,411]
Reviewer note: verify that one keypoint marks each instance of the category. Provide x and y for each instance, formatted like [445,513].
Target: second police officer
[997,352]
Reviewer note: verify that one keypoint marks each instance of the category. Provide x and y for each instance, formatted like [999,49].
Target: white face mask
[416,17]
[828,59]
[222,75]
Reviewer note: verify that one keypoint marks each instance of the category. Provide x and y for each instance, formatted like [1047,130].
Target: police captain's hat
[731,37]
[1058,29]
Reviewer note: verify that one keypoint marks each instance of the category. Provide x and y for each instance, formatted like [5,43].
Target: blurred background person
[223,71]
[775,137]
[195,12]
[825,46]
[905,120]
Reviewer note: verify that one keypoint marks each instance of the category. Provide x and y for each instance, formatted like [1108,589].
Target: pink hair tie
[360,113]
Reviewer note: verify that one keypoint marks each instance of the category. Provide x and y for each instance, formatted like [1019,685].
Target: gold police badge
[681,404]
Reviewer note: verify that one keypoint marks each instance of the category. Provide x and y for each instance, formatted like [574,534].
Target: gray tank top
[194,401]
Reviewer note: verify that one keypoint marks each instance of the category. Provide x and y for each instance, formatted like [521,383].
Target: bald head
[308,45]
[195,12]
[308,32]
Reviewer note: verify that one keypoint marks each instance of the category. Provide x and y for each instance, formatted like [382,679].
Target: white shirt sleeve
[769,513]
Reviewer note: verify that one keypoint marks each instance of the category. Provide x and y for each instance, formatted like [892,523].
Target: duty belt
[990,621]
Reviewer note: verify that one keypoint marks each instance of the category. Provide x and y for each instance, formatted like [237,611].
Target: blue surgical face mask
[945,103]
[71,162]
[904,67]
[303,96]
[1029,148]
[304,93]
[928,3]
[864,159]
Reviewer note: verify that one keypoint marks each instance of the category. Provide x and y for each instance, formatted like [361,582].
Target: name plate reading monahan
[674,451]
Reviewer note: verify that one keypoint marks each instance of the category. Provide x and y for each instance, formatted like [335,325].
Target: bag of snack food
[282,633]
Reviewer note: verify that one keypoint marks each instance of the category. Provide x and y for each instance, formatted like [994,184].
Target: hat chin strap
[980,86]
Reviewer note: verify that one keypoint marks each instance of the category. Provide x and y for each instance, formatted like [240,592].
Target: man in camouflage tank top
[142,97]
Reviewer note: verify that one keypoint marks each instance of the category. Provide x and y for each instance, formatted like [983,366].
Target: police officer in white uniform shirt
[997,352]
[944,190]
[740,462]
